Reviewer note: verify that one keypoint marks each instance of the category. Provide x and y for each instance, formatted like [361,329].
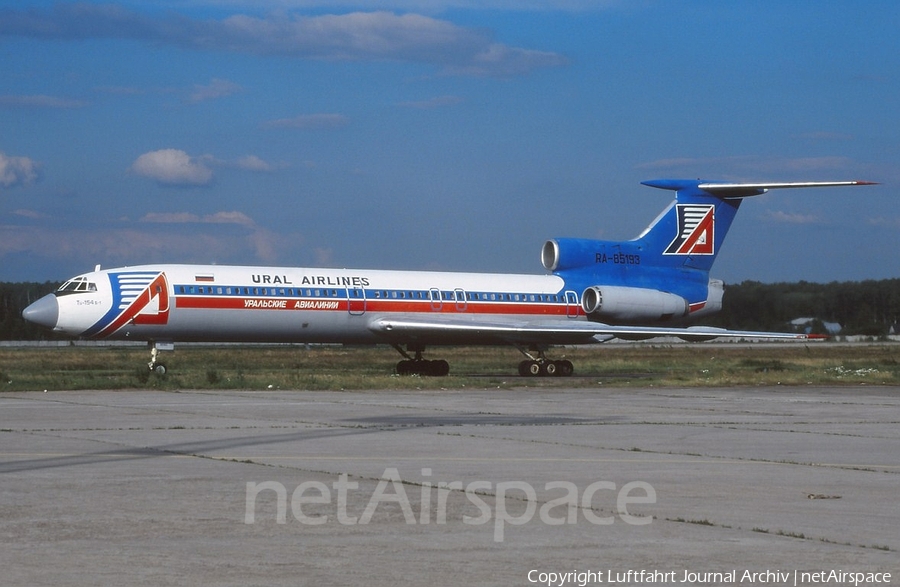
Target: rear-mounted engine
[632,305]
[560,254]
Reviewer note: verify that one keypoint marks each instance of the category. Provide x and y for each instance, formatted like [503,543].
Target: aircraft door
[436,302]
[356,301]
[572,304]
[461,302]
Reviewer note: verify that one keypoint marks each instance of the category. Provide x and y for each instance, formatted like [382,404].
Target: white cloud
[324,256]
[500,60]
[253,163]
[674,162]
[217,88]
[309,122]
[247,163]
[751,168]
[377,35]
[121,90]
[816,163]
[793,218]
[885,222]
[232,217]
[825,136]
[170,217]
[357,35]
[438,6]
[40,101]
[437,102]
[30,214]
[172,167]
[137,243]
[17,170]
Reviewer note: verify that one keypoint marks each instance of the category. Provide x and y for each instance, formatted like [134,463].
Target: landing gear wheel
[545,368]
[440,368]
[530,368]
[523,368]
[155,367]
[418,365]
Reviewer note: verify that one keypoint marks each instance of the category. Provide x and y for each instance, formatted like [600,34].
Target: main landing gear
[418,366]
[541,366]
[533,366]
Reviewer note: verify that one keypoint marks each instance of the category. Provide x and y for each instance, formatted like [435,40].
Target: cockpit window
[76,285]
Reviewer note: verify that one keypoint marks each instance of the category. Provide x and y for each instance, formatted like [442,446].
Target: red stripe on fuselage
[371,305]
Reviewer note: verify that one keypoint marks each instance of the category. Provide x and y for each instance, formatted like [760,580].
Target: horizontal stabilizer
[743,190]
[740,190]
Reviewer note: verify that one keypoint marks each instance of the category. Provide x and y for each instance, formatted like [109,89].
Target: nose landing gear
[154,365]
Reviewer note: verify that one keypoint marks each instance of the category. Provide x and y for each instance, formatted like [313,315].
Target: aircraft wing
[452,330]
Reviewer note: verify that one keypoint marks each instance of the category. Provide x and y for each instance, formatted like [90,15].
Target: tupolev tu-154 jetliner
[594,291]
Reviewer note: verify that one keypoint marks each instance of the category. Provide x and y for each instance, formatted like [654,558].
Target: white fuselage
[226,303]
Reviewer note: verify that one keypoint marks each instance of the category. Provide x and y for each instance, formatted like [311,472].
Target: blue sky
[452,135]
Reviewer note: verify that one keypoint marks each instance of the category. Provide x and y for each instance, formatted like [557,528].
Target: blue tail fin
[690,232]
[676,252]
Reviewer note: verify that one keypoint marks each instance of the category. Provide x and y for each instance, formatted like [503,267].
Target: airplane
[593,291]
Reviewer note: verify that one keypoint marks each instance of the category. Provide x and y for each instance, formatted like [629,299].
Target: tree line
[870,308]
[14,297]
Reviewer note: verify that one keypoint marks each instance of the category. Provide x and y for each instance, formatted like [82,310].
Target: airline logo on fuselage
[138,298]
[696,230]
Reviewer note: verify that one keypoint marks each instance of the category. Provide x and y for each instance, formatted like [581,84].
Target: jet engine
[560,254]
[614,304]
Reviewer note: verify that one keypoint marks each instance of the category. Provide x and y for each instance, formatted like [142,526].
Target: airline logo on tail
[696,230]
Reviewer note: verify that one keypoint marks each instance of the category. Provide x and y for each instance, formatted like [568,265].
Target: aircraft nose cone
[45,311]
